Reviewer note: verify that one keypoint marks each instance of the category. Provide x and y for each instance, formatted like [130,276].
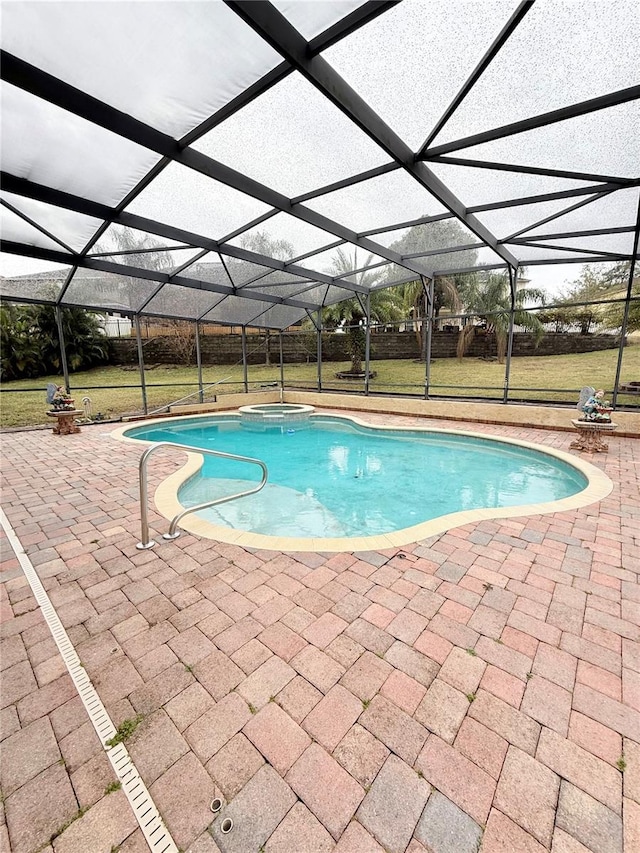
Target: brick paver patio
[478,690]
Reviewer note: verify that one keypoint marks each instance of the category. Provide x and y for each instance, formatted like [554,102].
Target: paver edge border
[145,811]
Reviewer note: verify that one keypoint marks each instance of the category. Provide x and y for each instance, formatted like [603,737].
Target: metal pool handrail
[146,542]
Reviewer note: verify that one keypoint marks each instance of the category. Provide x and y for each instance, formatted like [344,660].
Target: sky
[554,278]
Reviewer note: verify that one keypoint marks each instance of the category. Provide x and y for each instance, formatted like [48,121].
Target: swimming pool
[337,478]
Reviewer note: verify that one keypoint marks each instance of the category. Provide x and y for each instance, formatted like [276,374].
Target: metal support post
[319,349]
[281,363]
[428,298]
[367,344]
[199,363]
[245,372]
[143,384]
[63,349]
[513,284]
[627,305]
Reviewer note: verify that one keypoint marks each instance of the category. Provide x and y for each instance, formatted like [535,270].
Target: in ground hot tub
[275,414]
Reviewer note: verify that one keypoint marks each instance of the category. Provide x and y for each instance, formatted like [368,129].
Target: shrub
[30,345]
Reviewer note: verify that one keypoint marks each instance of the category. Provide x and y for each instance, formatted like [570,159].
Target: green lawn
[560,376]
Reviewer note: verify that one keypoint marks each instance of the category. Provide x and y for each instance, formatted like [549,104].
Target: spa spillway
[275,414]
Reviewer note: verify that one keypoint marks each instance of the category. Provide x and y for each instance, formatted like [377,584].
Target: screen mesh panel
[161,261]
[341,259]
[39,285]
[621,244]
[232,148]
[74,229]
[409,63]
[277,281]
[236,311]
[484,256]
[284,237]
[189,200]
[208,268]
[285,143]
[615,210]
[120,238]
[429,237]
[312,18]
[509,220]
[98,289]
[484,186]
[606,142]
[181,302]
[532,253]
[67,153]
[378,202]
[169,64]
[18,230]
[278,317]
[554,42]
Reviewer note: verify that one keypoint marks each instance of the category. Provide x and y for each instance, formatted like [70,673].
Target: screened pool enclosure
[212,162]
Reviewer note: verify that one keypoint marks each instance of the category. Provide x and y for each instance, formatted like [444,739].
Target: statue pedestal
[65,424]
[590,436]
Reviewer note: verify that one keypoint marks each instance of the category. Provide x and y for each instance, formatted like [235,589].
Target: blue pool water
[333,478]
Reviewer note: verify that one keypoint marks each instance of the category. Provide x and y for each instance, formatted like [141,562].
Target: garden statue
[594,421]
[59,399]
[62,410]
[593,406]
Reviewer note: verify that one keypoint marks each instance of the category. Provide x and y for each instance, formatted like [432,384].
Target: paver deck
[479,687]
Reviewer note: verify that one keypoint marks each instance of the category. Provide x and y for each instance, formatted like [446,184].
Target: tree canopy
[30,345]
[386,305]
[489,299]
[443,234]
[602,283]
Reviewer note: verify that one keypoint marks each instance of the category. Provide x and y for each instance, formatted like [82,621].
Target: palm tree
[385,305]
[489,299]
[428,237]
[446,292]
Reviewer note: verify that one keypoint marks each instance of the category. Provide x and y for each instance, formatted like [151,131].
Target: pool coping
[167,504]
